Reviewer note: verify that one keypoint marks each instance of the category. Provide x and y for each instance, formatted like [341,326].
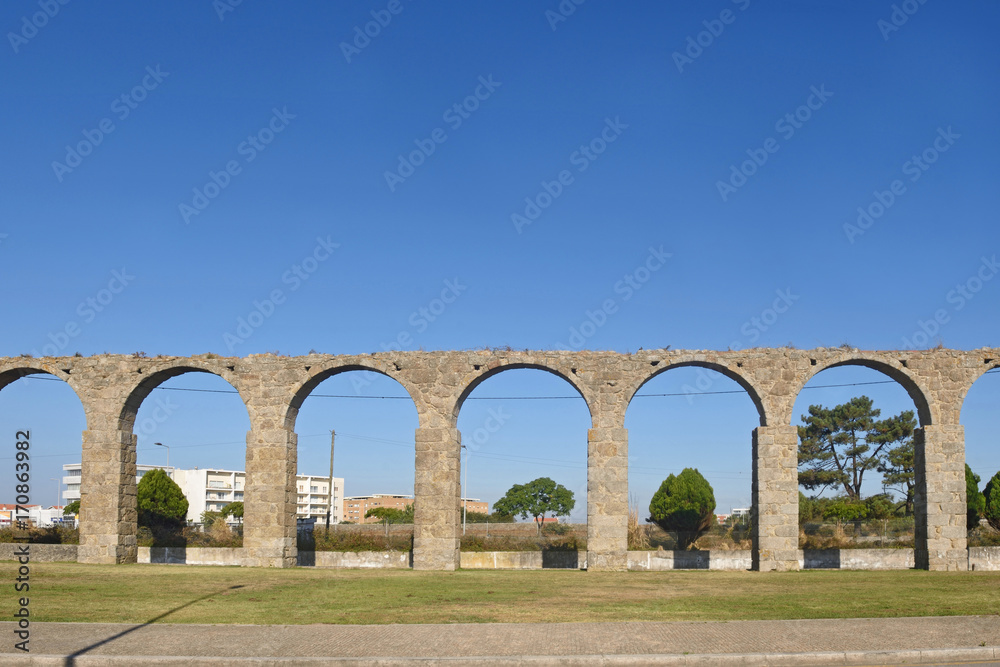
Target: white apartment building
[73,471]
[210,489]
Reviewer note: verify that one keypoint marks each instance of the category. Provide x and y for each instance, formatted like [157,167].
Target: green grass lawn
[200,594]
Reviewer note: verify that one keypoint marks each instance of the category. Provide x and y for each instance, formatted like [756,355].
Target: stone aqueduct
[112,387]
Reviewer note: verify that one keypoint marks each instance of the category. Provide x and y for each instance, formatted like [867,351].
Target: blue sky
[580,149]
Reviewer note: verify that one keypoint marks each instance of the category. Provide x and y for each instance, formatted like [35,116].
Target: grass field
[193,594]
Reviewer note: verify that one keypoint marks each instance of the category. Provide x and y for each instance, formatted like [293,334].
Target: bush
[991,495]
[46,535]
[219,535]
[482,517]
[335,540]
[975,500]
[517,543]
[684,503]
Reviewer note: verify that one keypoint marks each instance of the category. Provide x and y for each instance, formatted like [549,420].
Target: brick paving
[824,641]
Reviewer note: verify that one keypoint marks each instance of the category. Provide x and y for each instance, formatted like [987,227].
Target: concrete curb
[927,656]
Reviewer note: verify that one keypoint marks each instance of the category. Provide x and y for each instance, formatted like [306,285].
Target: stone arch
[989,364]
[496,370]
[302,392]
[715,366]
[15,372]
[153,378]
[915,391]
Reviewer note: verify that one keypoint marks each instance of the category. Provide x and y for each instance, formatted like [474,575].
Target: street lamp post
[168,451]
[465,489]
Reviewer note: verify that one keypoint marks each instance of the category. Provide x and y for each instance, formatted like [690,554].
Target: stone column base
[607,499]
[436,494]
[775,517]
[939,498]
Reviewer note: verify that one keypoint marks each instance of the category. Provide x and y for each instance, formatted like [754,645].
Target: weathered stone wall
[192,555]
[524,560]
[41,553]
[112,387]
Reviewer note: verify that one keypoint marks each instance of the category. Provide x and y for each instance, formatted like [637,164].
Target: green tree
[72,508]
[992,497]
[391,514]
[975,501]
[880,506]
[536,499]
[234,509]
[845,508]
[838,445]
[898,472]
[684,503]
[161,502]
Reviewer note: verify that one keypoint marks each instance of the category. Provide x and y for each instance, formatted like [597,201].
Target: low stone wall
[984,559]
[40,553]
[356,559]
[837,559]
[716,559]
[191,556]
[523,560]
[856,559]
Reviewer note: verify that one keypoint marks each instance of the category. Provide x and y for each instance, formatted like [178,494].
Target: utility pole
[329,500]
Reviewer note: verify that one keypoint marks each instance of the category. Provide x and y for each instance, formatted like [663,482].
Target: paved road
[935,640]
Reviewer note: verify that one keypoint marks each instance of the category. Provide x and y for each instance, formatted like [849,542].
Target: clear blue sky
[598,110]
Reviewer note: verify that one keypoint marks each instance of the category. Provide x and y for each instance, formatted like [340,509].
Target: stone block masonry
[112,387]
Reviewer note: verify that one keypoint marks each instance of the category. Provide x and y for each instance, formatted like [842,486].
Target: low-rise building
[36,515]
[211,489]
[355,507]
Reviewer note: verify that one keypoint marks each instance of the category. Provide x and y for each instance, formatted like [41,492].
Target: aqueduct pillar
[607,499]
[108,498]
[436,494]
[270,497]
[939,499]
[775,491]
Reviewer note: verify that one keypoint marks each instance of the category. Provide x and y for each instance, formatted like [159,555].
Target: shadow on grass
[71,659]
